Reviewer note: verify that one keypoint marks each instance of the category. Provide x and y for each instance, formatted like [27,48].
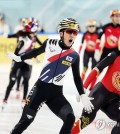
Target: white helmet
[31,25]
[68,23]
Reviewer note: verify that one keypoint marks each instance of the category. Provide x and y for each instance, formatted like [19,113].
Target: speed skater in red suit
[106,93]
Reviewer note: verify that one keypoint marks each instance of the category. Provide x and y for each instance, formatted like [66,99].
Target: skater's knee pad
[13,78]
[13,75]
[28,114]
[11,82]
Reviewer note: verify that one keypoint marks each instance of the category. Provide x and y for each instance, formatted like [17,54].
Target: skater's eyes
[70,31]
[92,26]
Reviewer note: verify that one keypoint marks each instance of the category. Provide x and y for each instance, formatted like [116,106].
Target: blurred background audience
[4,27]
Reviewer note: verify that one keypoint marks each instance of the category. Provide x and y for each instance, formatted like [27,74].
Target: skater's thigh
[34,98]
[100,94]
[25,71]
[111,109]
[60,106]
[14,69]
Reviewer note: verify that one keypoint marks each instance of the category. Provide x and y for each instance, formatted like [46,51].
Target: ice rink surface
[45,122]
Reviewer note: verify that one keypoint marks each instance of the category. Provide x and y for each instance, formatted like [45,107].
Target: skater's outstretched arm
[12,36]
[34,52]
[99,67]
[28,55]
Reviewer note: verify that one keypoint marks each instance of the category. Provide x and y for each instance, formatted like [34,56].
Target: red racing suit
[111,80]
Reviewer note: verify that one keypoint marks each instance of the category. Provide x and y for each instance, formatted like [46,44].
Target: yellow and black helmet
[68,23]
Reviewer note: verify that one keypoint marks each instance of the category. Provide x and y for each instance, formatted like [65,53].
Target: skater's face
[91,28]
[69,36]
[116,19]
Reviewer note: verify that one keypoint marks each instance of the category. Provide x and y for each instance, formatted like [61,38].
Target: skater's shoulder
[52,41]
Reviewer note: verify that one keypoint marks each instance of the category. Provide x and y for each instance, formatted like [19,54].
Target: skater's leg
[26,73]
[33,101]
[62,108]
